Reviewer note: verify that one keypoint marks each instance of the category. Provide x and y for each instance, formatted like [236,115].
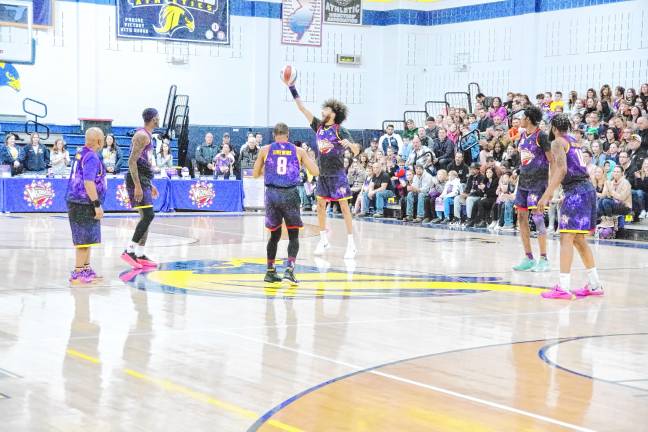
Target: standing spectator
[509,102]
[250,152]
[390,139]
[617,195]
[223,162]
[459,166]
[35,157]
[10,154]
[205,155]
[488,186]
[630,96]
[469,196]
[640,190]
[164,157]
[417,191]
[380,189]
[110,155]
[60,157]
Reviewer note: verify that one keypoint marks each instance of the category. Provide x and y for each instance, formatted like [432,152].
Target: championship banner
[205,21]
[301,22]
[343,12]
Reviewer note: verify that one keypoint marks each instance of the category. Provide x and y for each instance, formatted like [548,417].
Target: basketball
[288,74]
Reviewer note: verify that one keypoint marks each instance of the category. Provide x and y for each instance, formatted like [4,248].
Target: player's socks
[291,262]
[565,281]
[593,277]
[351,249]
[529,255]
[323,243]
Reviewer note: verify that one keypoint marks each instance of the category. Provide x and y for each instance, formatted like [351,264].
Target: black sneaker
[271,276]
[289,276]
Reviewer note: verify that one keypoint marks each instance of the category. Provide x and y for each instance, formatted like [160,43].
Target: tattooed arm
[140,141]
[557,171]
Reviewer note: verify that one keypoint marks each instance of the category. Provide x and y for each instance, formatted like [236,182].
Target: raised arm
[307,162]
[140,141]
[300,105]
[557,171]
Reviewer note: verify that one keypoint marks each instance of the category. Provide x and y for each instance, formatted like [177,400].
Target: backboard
[16,39]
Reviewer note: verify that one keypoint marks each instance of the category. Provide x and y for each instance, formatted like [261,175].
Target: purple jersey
[144,167]
[534,165]
[576,167]
[329,150]
[282,165]
[87,167]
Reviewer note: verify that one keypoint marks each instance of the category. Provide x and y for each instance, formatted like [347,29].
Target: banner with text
[343,12]
[205,21]
[301,22]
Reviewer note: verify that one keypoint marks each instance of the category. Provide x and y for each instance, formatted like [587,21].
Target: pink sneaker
[130,275]
[557,293]
[146,262]
[587,291]
[130,259]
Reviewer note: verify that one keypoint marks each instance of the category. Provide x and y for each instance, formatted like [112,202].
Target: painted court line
[186,391]
[426,386]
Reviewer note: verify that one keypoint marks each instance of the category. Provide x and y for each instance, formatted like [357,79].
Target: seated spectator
[503,209]
[468,144]
[410,129]
[497,109]
[598,157]
[486,151]
[443,151]
[391,156]
[35,157]
[469,196]
[458,166]
[380,190]
[59,158]
[498,151]
[373,145]
[640,190]
[164,158]
[391,139]
[613,153]
[587,158]
[642,126]
[608,168]
[609,140]
[250,152]
[360,209]
[431,129]
[205,155]
[450,191]
[110,155]
[356,177]
[484,120]
[425,140]
[10,154]
[617,195]
[223,162]
[557,102]
[420,155]
[453,133]
[364,161]
[416,192]
[512,156]
[488,187]
[433,205]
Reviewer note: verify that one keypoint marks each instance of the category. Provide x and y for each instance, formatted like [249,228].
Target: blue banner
[204,21]
[207,195]
[43,11]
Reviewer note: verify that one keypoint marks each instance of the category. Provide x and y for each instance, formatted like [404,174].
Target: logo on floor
[244,278]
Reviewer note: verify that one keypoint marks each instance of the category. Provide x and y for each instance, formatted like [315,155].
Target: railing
[37,116]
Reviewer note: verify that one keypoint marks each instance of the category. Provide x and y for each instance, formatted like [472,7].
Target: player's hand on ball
[99,213]
[154,192]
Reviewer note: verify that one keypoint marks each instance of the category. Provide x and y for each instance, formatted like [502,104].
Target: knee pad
[538,220]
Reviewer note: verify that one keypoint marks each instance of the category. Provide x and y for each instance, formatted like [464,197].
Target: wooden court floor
[427,330]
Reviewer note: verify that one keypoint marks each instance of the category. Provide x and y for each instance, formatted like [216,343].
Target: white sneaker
[321,247]
[351,252]
[643,214]
[492,226]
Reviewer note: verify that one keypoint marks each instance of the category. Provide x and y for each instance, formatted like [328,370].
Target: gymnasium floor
[428,330]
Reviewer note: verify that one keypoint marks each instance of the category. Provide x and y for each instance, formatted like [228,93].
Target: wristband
[96,203]
[293,91]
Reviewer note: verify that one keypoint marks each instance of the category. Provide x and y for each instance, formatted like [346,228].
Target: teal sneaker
[525,265]
[541,266]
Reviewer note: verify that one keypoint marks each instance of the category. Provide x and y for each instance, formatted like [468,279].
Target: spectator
[306,202]
[373,147]
[432,201]
[356,177]
[512,156]
[643,95]
[250,152]
[587,158]
[410,129]
[111,156]
[640,190]
[497,109]
[598,180]
[164,158]
[458,165]
[486,152]
[59,157]
[416,192]
[591,94]
[361,207]
[431,129]
[425,140]
[609,140]
[391,139]
[488,186]
[468,144]
[485,121]
[503,208]
[557,102]
[380,189]
[250,137]
[10,154]
[613,153]
[364,161]
[642,126]
[571,103]
[554,210]
[469,196]
[606,93]
[509,102]
[635,113]
[630,96]
[619,94]
[35,157]
[635,153]
[205,155]
[420,155]
[617,195]
[223,162]
[443,151]
[450,191]
[608,168]
[598,157]
[603,110]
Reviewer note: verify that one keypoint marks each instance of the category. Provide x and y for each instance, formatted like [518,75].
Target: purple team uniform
[534,169]
[332,183]
[578,209]
[86,230]
[282,175]
[145,172]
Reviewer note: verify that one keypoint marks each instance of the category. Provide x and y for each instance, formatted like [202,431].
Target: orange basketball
[288,74]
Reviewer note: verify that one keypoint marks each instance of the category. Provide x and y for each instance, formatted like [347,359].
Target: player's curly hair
[534,114]
[338,108]
[561,122]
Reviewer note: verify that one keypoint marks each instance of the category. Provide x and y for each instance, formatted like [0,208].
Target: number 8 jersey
[282,165]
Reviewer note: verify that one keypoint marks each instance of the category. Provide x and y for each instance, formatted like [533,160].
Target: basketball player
[535,154]
[139,185]
[280,162]
[332,184]
[577,211]
[85,194]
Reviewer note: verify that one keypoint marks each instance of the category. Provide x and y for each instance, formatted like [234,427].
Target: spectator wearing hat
[470,194]
[372,149]
[431,129]
[390,139]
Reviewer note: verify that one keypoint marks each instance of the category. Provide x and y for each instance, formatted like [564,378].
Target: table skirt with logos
[28,195]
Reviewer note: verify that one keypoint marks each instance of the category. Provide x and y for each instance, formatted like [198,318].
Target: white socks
[592,275]
[350,241]
[132,247]
[565,282]
[139,251]
[324,237]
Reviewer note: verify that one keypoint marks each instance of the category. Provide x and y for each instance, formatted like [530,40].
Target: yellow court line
[193,394]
